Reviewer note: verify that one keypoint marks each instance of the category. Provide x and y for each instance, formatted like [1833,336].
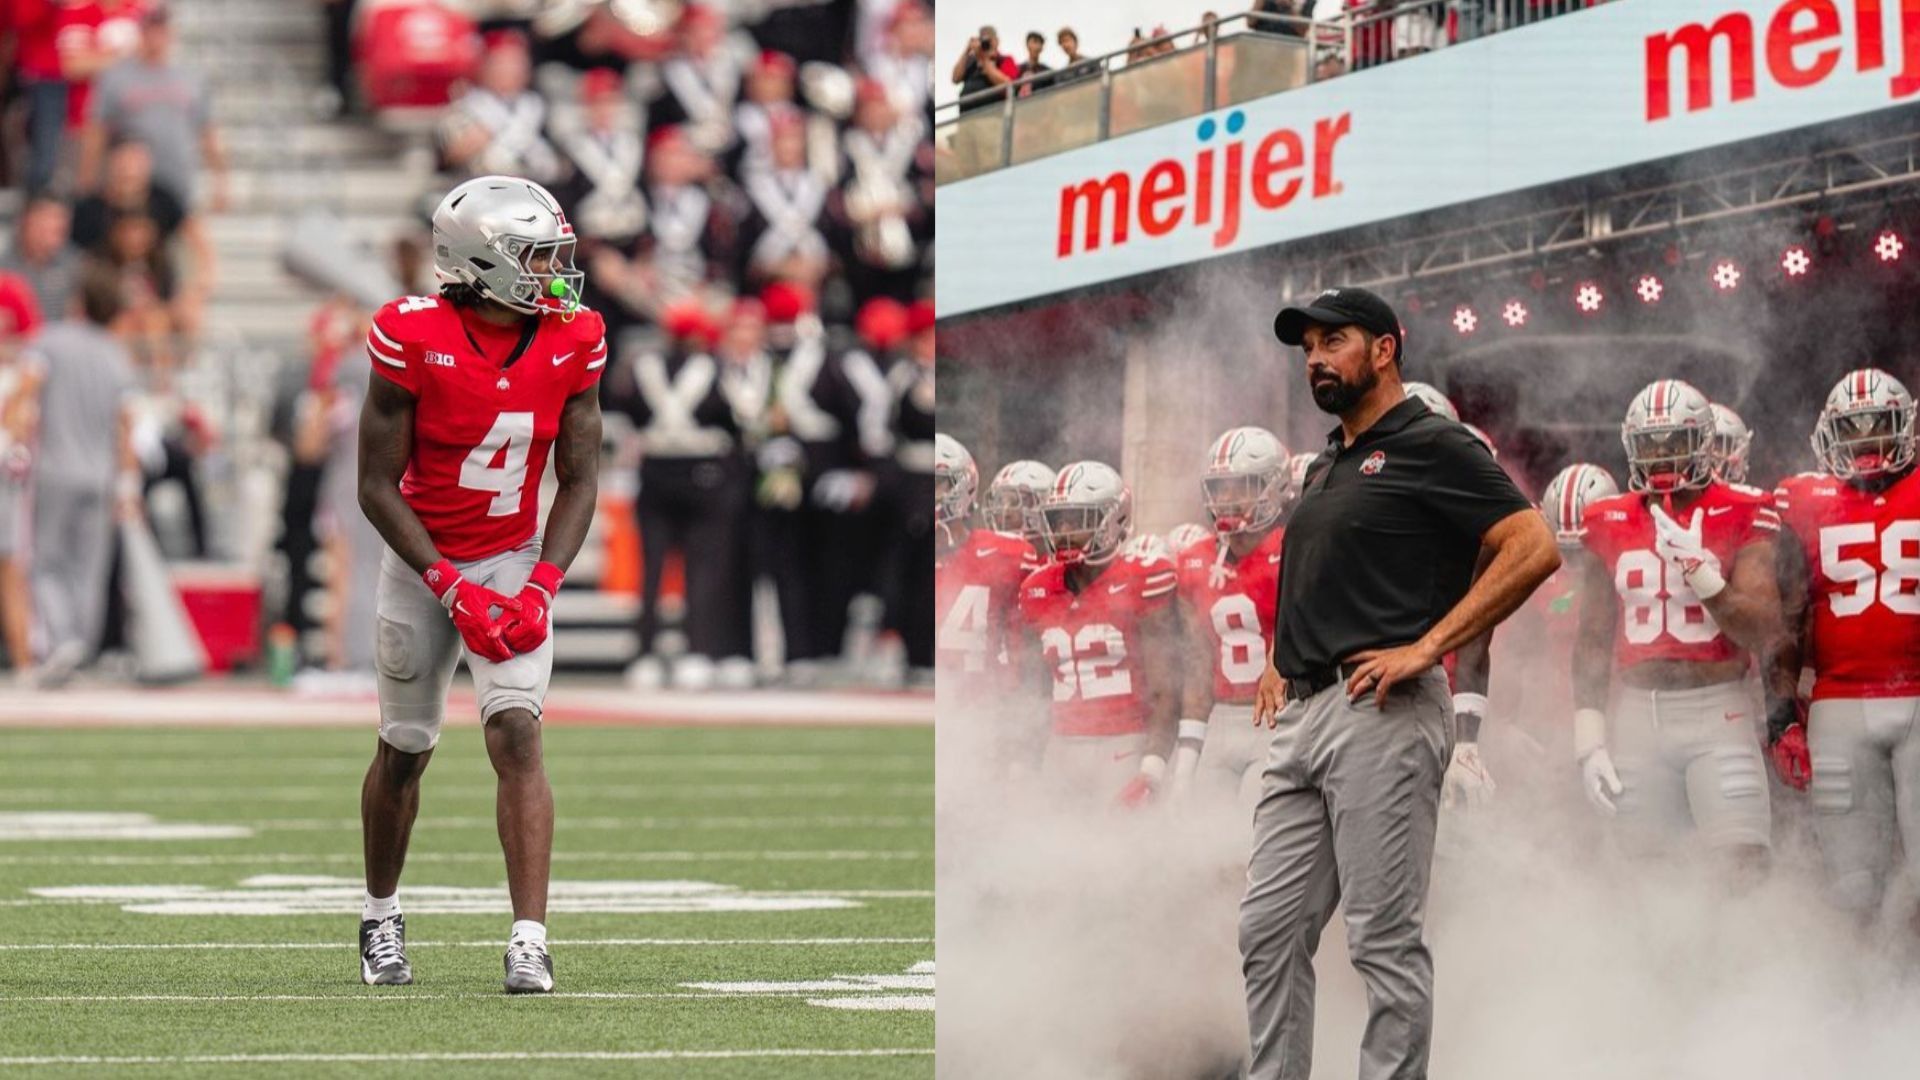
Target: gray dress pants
[1346,817]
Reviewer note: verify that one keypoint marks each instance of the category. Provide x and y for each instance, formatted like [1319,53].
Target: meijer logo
[1804,42]
[1100,210]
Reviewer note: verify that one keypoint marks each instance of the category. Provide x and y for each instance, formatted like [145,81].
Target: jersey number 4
[1088,664]
[964,630]
[512,431]
[1894,586]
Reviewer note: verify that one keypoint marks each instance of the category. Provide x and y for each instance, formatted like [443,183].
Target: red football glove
[528,627]
[1791,759]
[1145,784]
[469,605]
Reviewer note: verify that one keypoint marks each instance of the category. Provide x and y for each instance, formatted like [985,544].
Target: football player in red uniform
[1229,585]
[1012,502]
[1679,590]
[977,580]
[1107,629]
[1850,580]
[476,386]
[1732,443]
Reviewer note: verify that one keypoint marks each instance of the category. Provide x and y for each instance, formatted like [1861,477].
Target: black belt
[1301,687]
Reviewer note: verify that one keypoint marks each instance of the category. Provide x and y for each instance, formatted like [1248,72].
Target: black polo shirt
[1385,537]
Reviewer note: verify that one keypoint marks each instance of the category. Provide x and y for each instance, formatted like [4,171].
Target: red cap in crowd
[881,322]
[600,84]
[919,316]
[685,319]
[504,39]
[19,310]
[773,61]
[786,301]
[663,134]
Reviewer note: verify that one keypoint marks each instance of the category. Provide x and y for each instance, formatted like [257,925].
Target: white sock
[528,930]
[377,908]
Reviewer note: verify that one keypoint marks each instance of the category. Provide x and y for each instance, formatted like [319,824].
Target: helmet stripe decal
[1568,497]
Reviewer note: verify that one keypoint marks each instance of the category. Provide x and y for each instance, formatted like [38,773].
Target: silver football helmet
[1012,503]
[955,479]
[1087,514]
[1486,440]
[1668,435]
[1245,484]
[508,239]
[1866,428]
[1435,400]
[1183,536]
[1731,440]
[1567,496]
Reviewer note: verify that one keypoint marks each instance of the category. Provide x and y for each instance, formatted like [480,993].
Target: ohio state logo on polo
[1374,463]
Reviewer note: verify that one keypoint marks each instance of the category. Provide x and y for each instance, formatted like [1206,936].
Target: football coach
[1377,583]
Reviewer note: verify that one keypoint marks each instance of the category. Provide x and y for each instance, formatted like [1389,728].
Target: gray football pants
[1866,794]
[1348,805]
[72,562]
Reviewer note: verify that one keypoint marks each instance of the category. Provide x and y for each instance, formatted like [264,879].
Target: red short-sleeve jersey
[1660,617]
[1233,600]
[976,598]
[1093,642]
[1862,553]
[481,432]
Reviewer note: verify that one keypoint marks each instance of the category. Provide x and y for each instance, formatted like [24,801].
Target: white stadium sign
[1627,82]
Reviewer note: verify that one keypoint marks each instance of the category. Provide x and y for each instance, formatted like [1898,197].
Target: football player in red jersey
[1012,503]
[477,385]
[1229,584]
[1850,579]
[1679,590]
[1106,628]
[977,585]
[1732,445]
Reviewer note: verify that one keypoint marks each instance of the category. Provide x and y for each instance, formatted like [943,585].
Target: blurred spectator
[82,377]
[769,100]
[147,289]
[702,83]
[410,53]
[129,191]
[691,235]
[1418,28]
[782,234]
[19,322]
[808,30]
[605,154]
[1209,27]
[339,17]
[1036,44]
[1137,47]
[148,99]
[353,545]
[1077,67]
[879,207]
[497,125]
[907,494]
[43,255]
[693,498]
[43,84]
[1276,17]
[981,67]
[903,59]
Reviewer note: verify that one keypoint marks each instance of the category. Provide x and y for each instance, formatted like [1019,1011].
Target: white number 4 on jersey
[513,430]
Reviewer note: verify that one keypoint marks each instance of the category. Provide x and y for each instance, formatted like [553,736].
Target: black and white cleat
[383,952]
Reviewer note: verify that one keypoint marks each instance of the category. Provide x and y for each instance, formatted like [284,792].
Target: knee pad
[1832,788]
[410,729]
[395,652]
[1738,774]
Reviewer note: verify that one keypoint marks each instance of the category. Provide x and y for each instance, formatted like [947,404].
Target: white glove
[1685,551]
[1597,777]
[1467,782]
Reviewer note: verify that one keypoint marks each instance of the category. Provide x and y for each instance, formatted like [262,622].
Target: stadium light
[1464,320]
[1649,288]
[1795,261]
[1888,246]
[1726,275]
[1515,313]
[1589,298]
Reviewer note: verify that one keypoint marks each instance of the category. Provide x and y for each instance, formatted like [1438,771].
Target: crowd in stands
[1382,30]
[109,145]
[754,203]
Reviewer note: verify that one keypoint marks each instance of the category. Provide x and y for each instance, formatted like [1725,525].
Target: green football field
[727,902]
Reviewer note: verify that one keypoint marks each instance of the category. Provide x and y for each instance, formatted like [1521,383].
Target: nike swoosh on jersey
[1111,589]
[561,359]
[1716,510]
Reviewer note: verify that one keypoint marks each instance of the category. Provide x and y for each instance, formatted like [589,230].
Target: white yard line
[618,823]
[553,1055]
[385,996]
[570,943]
[355,858]
[346,793]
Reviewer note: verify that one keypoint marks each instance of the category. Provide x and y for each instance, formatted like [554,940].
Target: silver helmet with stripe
[1246,480]
[1088,514]
[1567,496]
[508,240]
[1866,428]
[1731,441]
[1668,436]
[955,479]
[1012,503]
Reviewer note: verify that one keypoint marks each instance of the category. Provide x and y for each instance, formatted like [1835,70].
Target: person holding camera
[982,67]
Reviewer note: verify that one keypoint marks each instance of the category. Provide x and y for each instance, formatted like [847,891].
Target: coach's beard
[1336,395]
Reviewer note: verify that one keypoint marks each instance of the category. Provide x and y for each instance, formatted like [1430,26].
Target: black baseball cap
[1342,306]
